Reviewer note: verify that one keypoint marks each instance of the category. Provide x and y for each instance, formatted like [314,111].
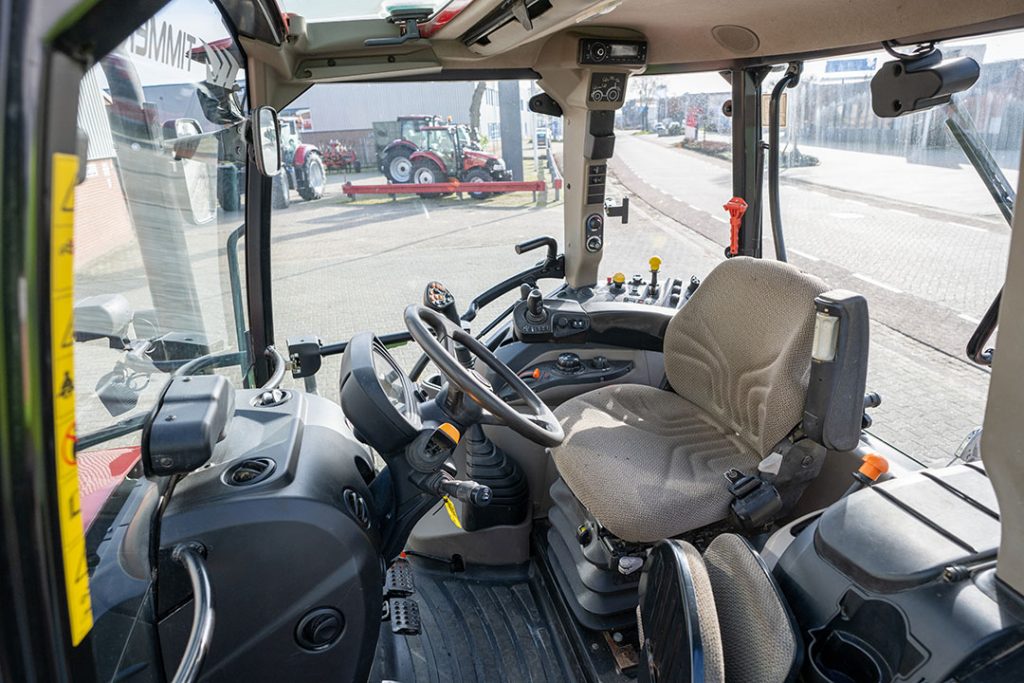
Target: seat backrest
[760,639]
[680,640]
[740,349]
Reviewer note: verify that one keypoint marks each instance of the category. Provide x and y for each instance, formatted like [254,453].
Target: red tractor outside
[447,155]
[304,169]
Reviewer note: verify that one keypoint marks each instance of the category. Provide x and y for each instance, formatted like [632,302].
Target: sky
[997,48]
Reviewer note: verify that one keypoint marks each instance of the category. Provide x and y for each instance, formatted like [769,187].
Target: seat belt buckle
[755,502]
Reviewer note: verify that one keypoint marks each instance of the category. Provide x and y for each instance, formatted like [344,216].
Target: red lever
[736,208]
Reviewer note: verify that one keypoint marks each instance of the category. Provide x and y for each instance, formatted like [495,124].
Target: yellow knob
[655,264]
[618,278]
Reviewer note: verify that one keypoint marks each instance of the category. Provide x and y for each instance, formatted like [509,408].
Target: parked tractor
[339,157]
[304,169]
[397,141]
[448,153]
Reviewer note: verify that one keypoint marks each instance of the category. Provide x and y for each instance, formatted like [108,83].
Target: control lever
[535,312]
[442,484]
[622,210]
[437,297]
[655,264]
[536,243]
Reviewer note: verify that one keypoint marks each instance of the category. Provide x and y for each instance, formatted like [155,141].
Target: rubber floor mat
[484,624]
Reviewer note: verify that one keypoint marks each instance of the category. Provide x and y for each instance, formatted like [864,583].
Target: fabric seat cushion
[740,349]
[646,462]
[758,640]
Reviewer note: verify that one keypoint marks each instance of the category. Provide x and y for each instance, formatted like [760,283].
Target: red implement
[736,208]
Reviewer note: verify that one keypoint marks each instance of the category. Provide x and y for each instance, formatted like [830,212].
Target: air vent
[249,472]
[357,507]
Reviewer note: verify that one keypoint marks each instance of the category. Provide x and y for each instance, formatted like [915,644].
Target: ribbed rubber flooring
[493,625]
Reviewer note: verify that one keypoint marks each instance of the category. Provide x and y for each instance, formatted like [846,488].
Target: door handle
[191,556]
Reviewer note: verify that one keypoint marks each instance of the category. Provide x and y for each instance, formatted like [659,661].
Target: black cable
[920,52]
[790,79]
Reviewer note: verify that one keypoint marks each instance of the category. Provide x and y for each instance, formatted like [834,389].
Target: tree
[646,89]
[474,107]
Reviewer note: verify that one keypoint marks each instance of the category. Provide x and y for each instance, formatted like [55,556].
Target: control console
[672,292]
[569,369]
[537,319]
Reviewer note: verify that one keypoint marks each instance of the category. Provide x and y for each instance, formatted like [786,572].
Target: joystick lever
[535,312]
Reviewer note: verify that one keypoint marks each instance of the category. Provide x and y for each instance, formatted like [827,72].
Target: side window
[157,218]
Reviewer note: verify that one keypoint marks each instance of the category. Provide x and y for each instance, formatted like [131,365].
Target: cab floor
[481,624]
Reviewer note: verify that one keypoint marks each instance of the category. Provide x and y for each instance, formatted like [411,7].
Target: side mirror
[266,140]
[104,316]
[184,136]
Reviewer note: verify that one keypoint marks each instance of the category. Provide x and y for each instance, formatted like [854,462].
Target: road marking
[846,215]
[903,213]
[973,321]
[876,283]
[425,212]
[720,219]
[804,254]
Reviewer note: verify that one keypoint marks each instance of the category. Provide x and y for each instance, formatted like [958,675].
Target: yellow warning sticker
[62,272]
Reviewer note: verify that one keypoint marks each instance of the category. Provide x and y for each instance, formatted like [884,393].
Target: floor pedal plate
[399,580]
[405,616]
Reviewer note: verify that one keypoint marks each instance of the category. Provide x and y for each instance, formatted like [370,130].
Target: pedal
[405,616]
[398,582]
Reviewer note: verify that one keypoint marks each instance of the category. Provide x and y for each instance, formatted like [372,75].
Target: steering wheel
[436,335]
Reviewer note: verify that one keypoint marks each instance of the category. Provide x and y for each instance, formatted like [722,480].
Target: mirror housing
[104,316]
[191,416]
[266,140]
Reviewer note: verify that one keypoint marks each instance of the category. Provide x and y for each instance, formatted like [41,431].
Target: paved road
[929,274]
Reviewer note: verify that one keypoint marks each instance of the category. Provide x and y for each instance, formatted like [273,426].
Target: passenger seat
[720,618]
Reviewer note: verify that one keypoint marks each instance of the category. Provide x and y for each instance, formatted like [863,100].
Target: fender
[427,154]
[475,159]
[300,154]
[394,144]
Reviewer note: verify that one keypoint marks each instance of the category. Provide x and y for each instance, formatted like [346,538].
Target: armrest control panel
[540,320]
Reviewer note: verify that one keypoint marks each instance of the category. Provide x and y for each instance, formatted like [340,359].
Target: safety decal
[62,262]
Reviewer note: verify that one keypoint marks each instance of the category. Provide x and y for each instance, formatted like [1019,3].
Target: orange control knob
[536,373]
[873,466]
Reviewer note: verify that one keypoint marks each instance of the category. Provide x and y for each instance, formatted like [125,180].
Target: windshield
[157,226]
[889,208]
[371,255]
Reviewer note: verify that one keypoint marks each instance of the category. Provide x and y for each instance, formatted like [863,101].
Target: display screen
[620,50]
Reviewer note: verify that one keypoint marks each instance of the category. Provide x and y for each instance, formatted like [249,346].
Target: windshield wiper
[964,132]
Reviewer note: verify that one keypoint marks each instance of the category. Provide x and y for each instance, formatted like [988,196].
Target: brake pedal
[405,616]
[398,582]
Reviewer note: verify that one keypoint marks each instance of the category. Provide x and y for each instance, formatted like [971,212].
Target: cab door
[120,266]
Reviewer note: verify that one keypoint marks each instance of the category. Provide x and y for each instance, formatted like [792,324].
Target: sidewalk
[958,191]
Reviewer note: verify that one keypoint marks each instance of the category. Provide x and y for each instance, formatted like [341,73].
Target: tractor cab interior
[320,459]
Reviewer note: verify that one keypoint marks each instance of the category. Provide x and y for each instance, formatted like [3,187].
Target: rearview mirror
[266,140]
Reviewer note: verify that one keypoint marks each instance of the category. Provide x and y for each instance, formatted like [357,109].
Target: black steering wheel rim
[540,425]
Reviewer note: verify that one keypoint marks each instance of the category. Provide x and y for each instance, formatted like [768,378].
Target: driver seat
[648,463]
